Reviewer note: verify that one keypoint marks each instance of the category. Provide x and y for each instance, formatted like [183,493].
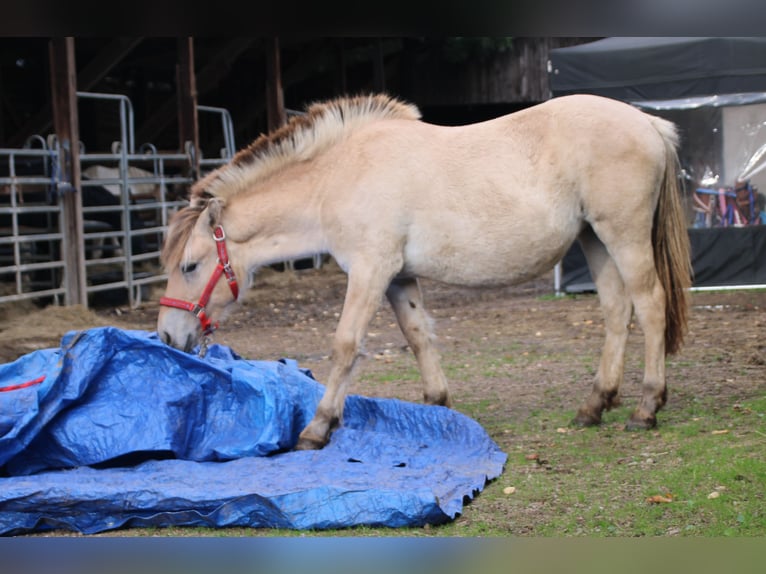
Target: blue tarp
[115,429]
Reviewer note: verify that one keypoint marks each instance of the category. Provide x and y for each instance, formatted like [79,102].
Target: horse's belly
[486,232]
[479,264]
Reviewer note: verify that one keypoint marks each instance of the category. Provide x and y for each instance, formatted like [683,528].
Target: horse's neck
[279,221]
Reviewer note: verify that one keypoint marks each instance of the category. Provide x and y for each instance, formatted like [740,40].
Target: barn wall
[516,76]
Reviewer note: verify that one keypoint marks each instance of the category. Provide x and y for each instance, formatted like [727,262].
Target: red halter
[222,268]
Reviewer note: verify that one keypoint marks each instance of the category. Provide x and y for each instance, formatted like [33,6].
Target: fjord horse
[393,198]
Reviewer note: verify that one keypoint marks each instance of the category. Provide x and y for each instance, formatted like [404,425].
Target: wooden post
[89,76]
[66,126]
[2,132]
[207,77]
[188,123]
[275,99]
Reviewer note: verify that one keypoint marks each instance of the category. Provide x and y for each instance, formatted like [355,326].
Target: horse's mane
[180,229]
[301,138]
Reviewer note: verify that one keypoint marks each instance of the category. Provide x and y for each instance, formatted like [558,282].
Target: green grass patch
[699,476]
[395,374]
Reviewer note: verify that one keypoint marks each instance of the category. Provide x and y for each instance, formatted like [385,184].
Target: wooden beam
[105,61]
[206,79]
[188,123]
[307,66]
[65,122]
[88,77]
[275,99]
[327,60]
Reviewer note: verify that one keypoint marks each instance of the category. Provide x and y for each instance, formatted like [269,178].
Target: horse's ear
[199,200]
[215,210]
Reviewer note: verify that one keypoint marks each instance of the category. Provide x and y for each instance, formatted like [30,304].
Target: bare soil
[507,352]
[520,345]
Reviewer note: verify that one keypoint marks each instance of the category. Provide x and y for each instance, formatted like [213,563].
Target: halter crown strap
[223,260]
[223,267]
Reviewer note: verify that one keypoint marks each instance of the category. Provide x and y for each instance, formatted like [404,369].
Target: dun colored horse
[393,198]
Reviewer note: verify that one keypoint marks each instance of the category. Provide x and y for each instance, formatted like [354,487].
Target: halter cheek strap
[223,267]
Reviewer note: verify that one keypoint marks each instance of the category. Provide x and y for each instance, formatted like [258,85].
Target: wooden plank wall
[519,75]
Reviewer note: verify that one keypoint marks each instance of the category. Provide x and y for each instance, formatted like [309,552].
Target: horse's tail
[670,242]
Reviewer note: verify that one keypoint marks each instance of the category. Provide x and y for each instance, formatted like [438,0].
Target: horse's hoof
[639,423]
[612,401]
[439,399]
[584,419]
[308,443]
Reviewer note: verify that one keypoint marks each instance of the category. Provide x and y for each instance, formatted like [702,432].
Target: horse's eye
[188,267]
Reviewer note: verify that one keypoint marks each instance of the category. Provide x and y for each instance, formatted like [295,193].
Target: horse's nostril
[189,343]
[166,338]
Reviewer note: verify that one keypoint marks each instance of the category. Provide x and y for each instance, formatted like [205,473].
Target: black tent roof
[632,69]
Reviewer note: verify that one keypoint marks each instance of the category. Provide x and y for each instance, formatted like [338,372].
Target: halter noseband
[223,267]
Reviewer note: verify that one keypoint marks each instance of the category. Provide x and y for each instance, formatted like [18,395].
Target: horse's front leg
[363,295]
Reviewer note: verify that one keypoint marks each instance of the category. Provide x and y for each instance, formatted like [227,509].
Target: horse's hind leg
[407,302]
[649,302]
[635,262]
[617,310]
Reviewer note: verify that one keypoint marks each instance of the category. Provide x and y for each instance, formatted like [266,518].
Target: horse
[394,199]
[136,189]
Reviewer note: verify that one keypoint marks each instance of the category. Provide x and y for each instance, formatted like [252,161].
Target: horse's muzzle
[187,345]
[198,309]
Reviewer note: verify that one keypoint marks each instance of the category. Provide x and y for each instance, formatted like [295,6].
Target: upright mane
[301,138]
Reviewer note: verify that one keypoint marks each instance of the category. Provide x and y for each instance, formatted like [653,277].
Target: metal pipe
[227,126]
[726,287]
[129,107]
[557,279]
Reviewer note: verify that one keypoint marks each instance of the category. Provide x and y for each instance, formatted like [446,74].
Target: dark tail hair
[670,241]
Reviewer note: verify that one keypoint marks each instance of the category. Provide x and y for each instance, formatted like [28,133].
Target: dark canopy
[631,69]
[675,77]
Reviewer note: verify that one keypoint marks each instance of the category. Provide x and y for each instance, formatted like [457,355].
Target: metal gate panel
[31,241]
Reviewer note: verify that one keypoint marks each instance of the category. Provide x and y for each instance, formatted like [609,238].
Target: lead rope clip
[203,346]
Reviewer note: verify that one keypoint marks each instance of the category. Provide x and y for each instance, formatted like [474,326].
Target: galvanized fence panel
[127,196]
[31,249]
[129,201]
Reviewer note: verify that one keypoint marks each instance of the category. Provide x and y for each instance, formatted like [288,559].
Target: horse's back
[547,145]
[598,128]
[499,201]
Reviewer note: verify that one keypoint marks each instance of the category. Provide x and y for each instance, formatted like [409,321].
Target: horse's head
[201,282]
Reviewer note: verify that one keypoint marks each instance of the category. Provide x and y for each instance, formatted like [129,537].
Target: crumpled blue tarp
[114,428]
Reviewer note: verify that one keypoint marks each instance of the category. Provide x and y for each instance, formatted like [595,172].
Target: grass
[398,373]
[701,474]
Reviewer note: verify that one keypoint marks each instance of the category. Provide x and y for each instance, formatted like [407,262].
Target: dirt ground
[509,354]
[515,349]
